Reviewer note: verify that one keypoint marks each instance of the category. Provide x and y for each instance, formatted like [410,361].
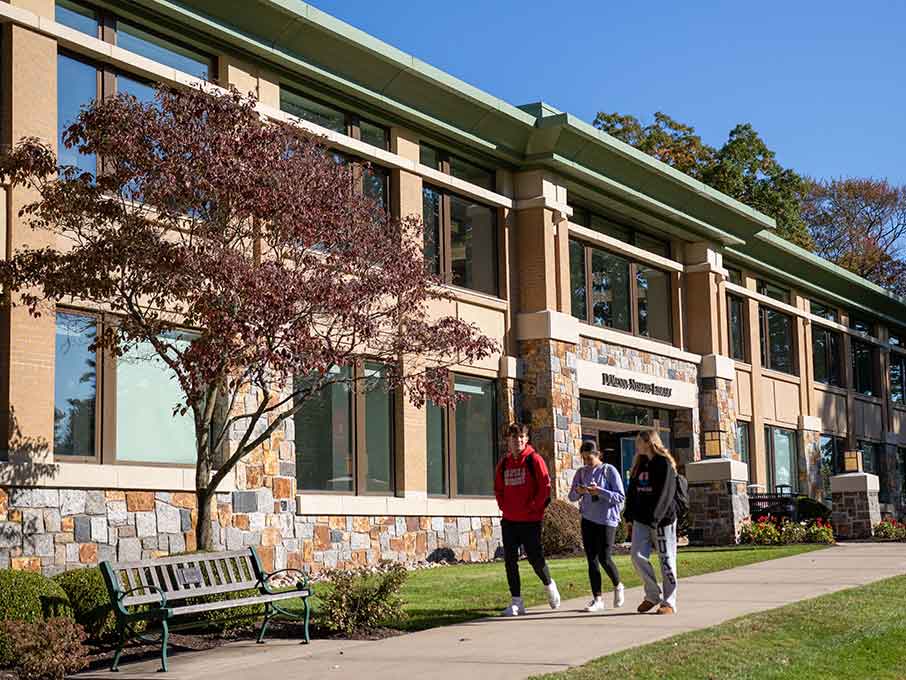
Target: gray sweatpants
[663,539]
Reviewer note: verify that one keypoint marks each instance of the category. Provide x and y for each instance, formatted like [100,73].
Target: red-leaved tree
[251,235]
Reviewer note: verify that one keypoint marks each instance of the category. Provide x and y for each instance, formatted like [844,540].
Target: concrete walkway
[544,641]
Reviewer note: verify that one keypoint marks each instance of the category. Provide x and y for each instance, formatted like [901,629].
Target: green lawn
[857,633]
[452,594]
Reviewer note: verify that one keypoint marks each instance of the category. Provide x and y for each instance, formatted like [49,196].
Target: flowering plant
[819,531]
[889,529]
[770,530]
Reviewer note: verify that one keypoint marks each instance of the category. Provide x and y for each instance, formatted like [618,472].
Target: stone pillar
[718,503]
[810,479]
[718,402]
[855,504]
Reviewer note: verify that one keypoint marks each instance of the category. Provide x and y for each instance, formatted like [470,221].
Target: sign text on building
[610,380]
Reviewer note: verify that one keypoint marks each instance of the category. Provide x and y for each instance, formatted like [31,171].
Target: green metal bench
[156,591]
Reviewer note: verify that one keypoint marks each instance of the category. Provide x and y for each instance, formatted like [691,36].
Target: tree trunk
[204,535]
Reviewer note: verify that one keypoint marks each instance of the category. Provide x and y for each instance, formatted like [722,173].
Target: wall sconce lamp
[714,443]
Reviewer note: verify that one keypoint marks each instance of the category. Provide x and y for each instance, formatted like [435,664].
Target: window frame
[357,428]
[352,121]
[745,426]
[745,351]
[770,454]
[445,161]
[448,448]
[873,354]
[632,278]
[444,246]
[831,313]
[764,333]
[584,217]
[900,359]
[828,356]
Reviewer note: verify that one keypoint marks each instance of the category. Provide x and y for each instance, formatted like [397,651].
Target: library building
[624,296]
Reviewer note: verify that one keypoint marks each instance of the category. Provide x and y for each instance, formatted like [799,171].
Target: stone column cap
[717,470]
[855,482]
[718,366]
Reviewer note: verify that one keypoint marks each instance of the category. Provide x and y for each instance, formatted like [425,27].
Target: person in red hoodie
[523,488]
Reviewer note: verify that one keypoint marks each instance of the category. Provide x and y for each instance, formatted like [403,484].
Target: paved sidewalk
[544,641]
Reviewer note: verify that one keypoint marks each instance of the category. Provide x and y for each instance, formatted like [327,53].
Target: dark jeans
[528,535]
[598,541]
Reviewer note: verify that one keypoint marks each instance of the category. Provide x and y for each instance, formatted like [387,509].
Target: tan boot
[646,606]
[665,609]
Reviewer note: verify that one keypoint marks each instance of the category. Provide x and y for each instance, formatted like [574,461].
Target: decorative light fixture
[714,440]
[852,461]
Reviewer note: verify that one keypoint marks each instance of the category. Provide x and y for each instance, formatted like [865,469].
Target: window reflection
[75,385]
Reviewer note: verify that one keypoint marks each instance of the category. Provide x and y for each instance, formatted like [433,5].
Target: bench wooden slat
[219,570]
[164,577]
[181,559]
[245,601]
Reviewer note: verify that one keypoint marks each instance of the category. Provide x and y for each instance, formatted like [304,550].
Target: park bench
[155,591]
[781,503]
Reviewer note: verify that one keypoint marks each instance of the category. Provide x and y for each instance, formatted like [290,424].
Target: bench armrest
[160,593]
[300,584]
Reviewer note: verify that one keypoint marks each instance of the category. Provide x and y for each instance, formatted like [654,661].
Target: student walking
[522,488]
[651,517]
[599,490]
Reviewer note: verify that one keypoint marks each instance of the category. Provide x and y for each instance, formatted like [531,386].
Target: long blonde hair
[653,439]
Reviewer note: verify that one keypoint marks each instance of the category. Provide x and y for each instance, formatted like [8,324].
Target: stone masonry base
[51,530]
[716,512]
[855,513]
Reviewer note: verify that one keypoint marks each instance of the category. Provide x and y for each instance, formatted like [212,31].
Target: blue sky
[824,83]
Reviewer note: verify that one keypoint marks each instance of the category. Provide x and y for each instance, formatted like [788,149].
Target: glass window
[832,449]
[632,414]
[433,227]
[437,450]
[379,410]
[742,441]
[652,244]
[578,298]
[873,462]
[142,90]
[314,112]
[147,430]
[76,16]
[608,228]
[77,87]
[734,276]
[860,325]
[776,340]
[375,135]
[580,216]
[824,311]
[610,290]
[783,451]
[863,356]
[470,172]
[774,291]
[375,181]
[654,304]
[476,439]
[163,50]
[429,156]
[827,350]
[897,378]
[737,318]
[473,247]
[75,386]
[896,340]
[324,437]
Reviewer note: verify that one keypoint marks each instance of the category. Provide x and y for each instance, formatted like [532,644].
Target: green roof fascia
[732,210]
[664,211]
[487,111]
[786,261]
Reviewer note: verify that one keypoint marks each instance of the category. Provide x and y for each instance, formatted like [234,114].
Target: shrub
[26,596]
[622,535]
[360,600]
[761,532]
[819,531]
[562,531]
[45,650]
[90,601]
[792,532]
[890,530]
[809,510]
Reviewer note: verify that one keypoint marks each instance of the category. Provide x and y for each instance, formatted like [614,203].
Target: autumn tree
[251,236]
[860,224]
[744,167]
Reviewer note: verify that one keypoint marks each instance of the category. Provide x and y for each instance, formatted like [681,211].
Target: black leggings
[598,541]
[528,535]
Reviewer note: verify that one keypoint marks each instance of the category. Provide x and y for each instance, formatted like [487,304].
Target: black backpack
[681,500]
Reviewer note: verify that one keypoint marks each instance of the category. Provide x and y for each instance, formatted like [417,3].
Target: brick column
[855,504]
[718,502]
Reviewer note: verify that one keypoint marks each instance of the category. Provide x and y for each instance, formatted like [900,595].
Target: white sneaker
[553,595]
[515,608]
[596,605]
[619,595]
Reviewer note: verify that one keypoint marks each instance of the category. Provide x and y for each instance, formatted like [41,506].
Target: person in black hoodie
[651,518]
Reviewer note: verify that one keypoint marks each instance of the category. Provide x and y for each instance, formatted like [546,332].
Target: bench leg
[307,616]
[268,613]
[164,635]
[121,641]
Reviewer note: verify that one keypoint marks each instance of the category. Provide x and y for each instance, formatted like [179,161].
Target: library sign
[634,386]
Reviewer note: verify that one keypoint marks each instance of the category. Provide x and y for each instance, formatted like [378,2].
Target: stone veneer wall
[718,412]
[51,530]
[716,512]
[550,403]
[855,514]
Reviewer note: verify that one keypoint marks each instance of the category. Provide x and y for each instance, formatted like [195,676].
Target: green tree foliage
[744,167]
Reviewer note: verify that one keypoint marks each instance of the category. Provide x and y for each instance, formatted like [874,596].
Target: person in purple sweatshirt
[598,488]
